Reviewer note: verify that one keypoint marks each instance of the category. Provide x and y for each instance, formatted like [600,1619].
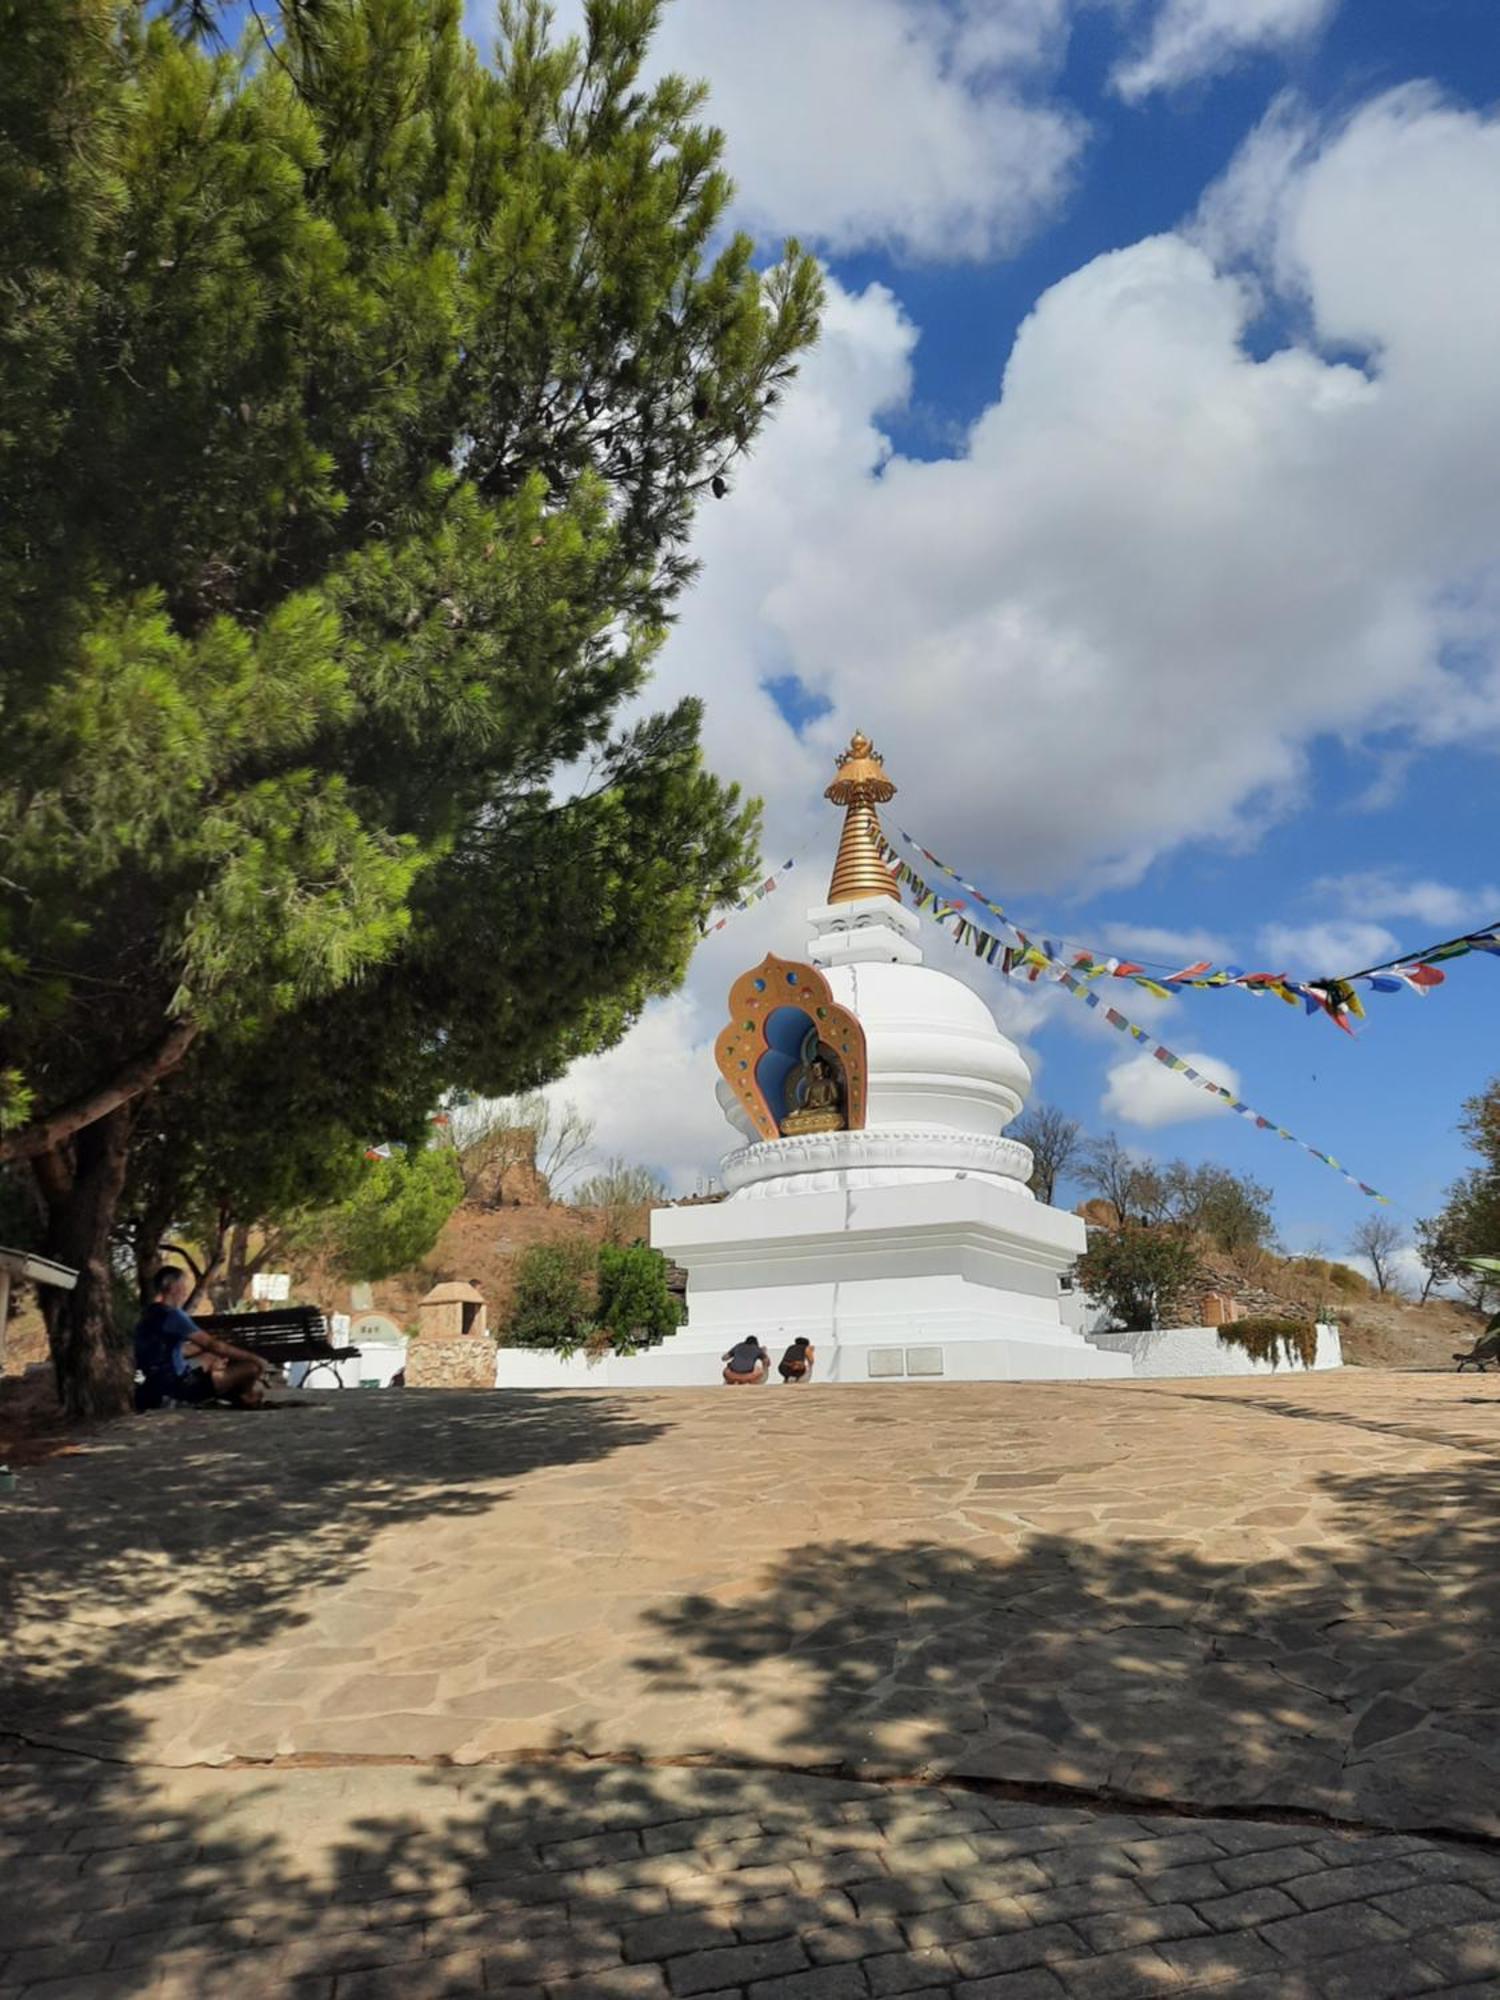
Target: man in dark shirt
[182,1363]
[746,1362]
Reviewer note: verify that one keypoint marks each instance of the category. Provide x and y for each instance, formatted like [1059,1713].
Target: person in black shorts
[181,1363]
[796,1365]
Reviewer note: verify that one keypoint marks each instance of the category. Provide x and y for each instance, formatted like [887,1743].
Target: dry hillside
[1377,1330]
[479,1244]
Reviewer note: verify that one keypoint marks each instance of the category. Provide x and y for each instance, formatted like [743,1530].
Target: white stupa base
[951,1280]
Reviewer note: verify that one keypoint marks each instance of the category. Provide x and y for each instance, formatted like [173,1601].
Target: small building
[453,1348]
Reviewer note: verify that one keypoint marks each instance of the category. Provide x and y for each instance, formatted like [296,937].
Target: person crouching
[796,1365]
[746,1363]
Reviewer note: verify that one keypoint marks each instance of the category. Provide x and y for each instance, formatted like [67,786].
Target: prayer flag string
[1042,959]
[1337,998]
[756,895]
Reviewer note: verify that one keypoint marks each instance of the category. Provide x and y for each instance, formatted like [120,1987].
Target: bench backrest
[310,1321]
[286,1333]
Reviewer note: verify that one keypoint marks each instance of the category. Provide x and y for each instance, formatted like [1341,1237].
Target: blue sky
[1384,1106]
[1147,163]
[1139,501]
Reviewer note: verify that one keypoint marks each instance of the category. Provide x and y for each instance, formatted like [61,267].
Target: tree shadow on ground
[1354,1677]
[583,1882]
[217,1529]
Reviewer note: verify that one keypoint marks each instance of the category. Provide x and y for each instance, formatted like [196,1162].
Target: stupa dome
[936,1056]
[941,1082]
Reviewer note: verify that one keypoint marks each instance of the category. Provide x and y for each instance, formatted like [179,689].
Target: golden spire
[860,786]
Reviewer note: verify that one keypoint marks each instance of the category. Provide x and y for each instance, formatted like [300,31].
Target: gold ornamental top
[861,785]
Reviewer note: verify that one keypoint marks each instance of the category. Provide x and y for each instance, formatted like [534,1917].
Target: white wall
[378,1362]
[677,1364]
[1198,1350]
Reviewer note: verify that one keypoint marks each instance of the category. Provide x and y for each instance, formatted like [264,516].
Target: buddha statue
[815,1097]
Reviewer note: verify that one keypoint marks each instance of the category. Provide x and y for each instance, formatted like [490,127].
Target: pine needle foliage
[356,400]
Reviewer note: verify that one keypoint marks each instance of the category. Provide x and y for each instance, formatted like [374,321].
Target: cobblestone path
[635,1884]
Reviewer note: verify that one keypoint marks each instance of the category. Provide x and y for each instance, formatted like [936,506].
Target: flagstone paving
[1273,1593]
[1269,1600]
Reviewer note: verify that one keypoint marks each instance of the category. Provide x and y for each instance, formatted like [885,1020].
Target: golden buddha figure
[816,1100]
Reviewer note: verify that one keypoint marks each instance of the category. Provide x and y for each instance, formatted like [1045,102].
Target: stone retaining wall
[464,1362]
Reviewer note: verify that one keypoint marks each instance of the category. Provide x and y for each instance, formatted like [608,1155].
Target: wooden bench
[1485,1350]
[285,1333]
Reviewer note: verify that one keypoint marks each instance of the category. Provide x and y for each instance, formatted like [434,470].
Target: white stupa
[874,1202]
[876,1205]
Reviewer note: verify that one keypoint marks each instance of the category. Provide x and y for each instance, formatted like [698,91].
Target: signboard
[272,1288]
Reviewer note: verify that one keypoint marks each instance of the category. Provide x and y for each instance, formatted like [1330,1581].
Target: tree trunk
[237,1270]
[151,1227]
[81,1187]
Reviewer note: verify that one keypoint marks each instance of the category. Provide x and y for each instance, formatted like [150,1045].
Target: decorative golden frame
[753,998]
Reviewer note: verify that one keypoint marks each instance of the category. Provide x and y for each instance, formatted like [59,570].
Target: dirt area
[1377,1330]
[1394,1333]
[32,1427]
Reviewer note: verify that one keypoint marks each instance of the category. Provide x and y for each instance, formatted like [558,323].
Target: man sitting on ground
[184,1364]
[746,1363]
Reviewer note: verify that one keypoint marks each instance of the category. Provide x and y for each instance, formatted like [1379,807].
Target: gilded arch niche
[793,1057]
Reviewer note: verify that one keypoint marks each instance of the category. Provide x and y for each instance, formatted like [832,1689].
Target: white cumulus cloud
[925,128]
[1161,945]
[1385,893]
[1163,562]
[1192,38]
[1342,944]
[1142,1091]
[1163,565]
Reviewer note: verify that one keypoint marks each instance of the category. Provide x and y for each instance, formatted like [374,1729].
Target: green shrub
[553,1302]
[1265,1338]
[1139,1274]
[395,1215]
[634,1303]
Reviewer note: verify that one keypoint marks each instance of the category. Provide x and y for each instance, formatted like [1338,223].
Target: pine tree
[355,404]
[1468,1225]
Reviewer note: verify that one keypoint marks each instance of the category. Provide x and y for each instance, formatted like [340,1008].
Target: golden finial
[860,786]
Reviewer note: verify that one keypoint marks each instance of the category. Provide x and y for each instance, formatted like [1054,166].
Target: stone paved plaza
[994,1690]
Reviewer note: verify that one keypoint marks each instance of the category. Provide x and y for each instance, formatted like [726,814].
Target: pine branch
[43,1135]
